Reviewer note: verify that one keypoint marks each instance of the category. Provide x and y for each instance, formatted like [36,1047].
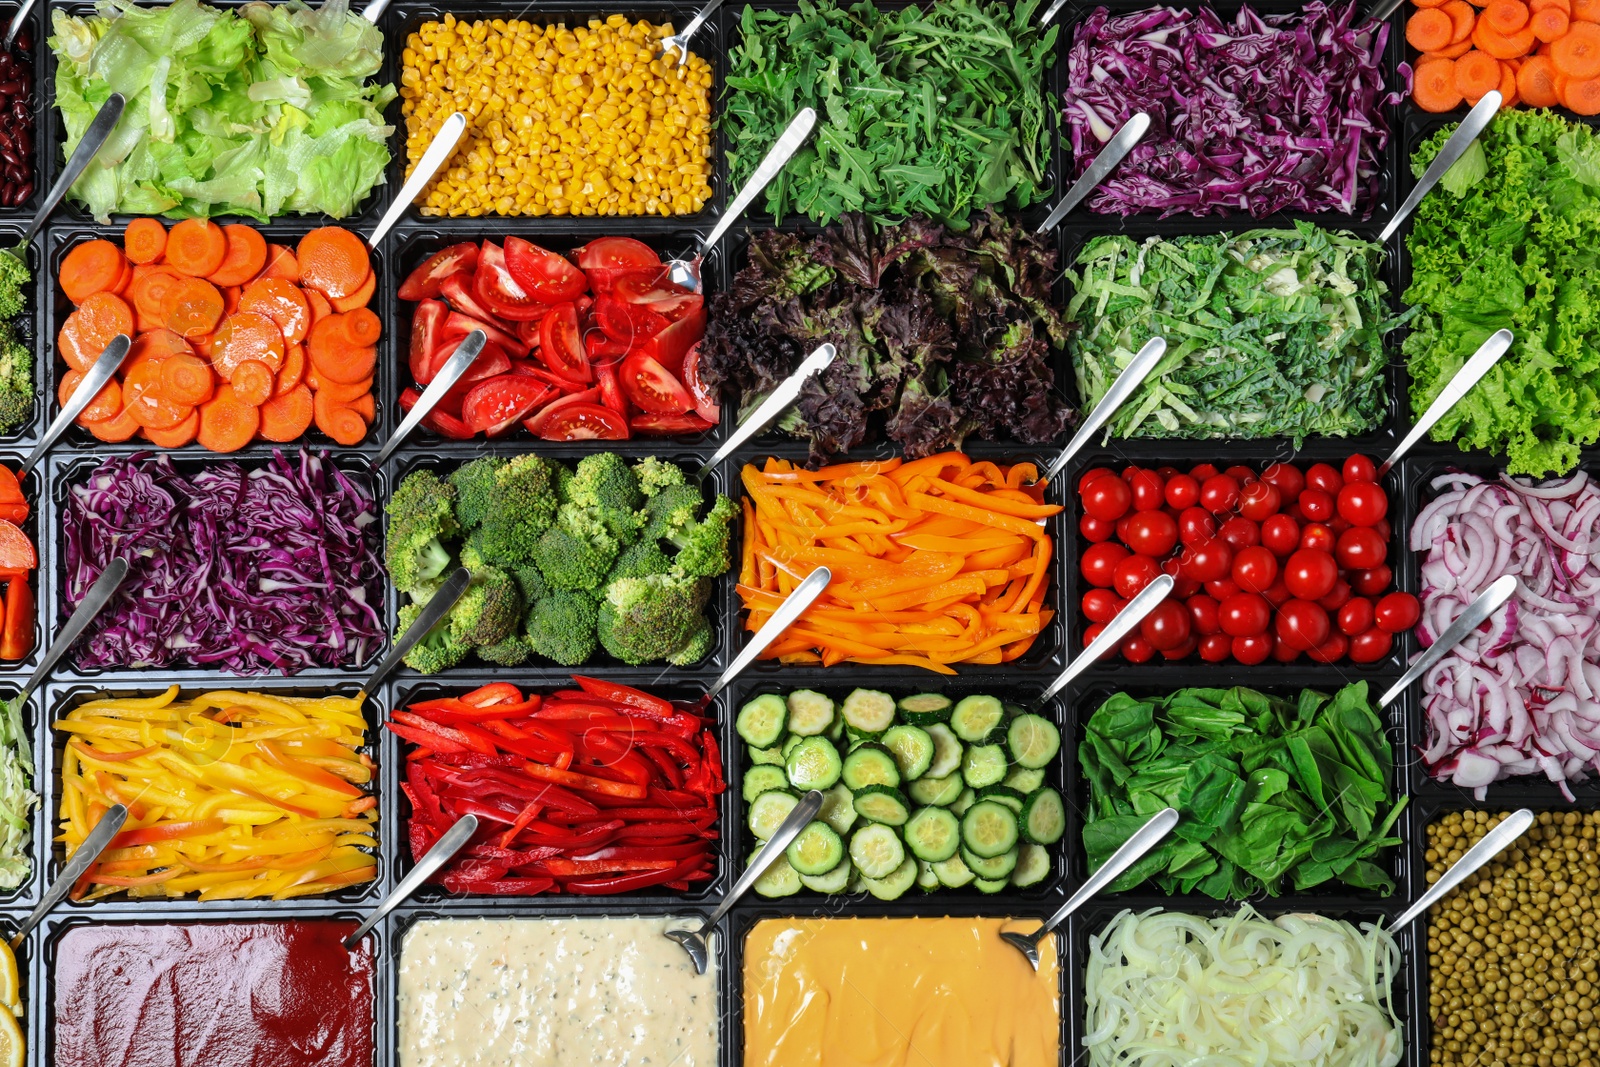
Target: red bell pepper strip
[653,706]
[646,852]
[498,886]
[669,770]
[583,868]
[585,783]
[423,737]
[627,882]
[493,693]
[529,812]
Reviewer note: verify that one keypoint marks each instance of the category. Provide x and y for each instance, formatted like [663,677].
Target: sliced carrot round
[281,264]
[246,335]
[338,420]
[196,247]
[106,403]
[293,370]
[144,240]
[334,357]
[152,290]
[1585,11]
[1536,82]
[287,417]
[226,423]
[252,382]
[1581,95]
[91,267]
[179,435]
[194,307]
[187,379]
[89,329]
[282,302]
[1549,24]
[1433,85]
[1506,16]
[245,257]
[1462,17]
[1540,5]
[1455,51]
[362,327]
[155,344]
[1577,53]
[144,400]
[361,297]
[1476,74]
[1500,45]
[344,392]
[1429,29]
[333,260]
[117,429]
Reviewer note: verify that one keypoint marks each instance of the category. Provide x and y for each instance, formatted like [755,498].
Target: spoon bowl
[680,40]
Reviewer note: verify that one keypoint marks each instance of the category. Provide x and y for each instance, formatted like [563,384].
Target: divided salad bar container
[415,238]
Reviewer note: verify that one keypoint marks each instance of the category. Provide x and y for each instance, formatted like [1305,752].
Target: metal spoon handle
[1486,604]
[1377,14]
[1141,605]
[438,150]
[1493,843]
[374,11]
[1145,838]
[682,39]
[796,603]
[787,144]
[437,607]
[454,367]
[1132,376]
[93,602]
[447,846]
[100,128]
[798,818]
[1476,122]
[104,368]
[16,23]
[81,860]
[1121,143]
[780,398]
[1487,355]
[1051,12]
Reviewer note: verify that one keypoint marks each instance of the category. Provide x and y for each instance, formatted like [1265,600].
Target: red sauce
[279,994]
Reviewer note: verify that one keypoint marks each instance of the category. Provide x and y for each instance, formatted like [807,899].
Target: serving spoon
[104,369]
[1142,604]
[437,607]
[83,857]
[1482,361]
[694,941]
[449,843]
[787,392]
[793,606]
[1105,161]
[454,367]
[686,272]
[439,149]
[94,601]
[94,138]
[1145,838]
[1483,605]
[1475,123]
[680,41]
[1133,375]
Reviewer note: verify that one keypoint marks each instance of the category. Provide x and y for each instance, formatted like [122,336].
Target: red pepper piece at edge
[627,882]
[16,638]
[622,694]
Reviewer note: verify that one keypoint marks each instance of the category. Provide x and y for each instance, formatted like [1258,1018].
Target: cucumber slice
[968,797]
[816,849]
[838,808]
[988,829]
[832,882]
[925,709]
[810,713]
[1033,740]
[954,872]
[999,866]
[868,711]
[933,834]
[813,763]
[927,877]
[836,730]
[870,764]
[975,716]
[882,803]
[946,751]
[762,779]
[1033,866]
[778,880]
[990,885]
[911,748]
[983,765]
[939,792]
[876,850]
[790,743]
[772,756]
[1044,817]
[768,811]
[894,885]
[761,720]
[1003,794]
[1024,779]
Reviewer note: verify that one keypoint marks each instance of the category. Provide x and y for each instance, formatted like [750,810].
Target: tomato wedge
[439,422]
[459,325]
[546,276]
[493,405]
[656,289]
[427,323]
[611,389]
[561,345]
[16,551]
[492,361]
[424,282]
[608,258]
[629,323]
[498,291]
[652,387]
[652,425]
[670,345]
[705,401]
[457,289]
[536,424]
[585,422]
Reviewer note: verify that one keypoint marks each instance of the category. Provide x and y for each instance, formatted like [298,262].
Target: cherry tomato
[1332,650]
[1122,526]
[1195,525]
[1132,574]
[1371,646]
[1363,503]
[1258,501]
[1167,626]
[1208,560]
[1222,588]
[1385,531]
[1316,505]
[1151,533]
[1310,574]
[1092,632]
[1167,472]
[1356,616]
[1318,536]
[1277,593]
[1136,649]
[1107,497]
[1219,494]
[1101,605]
[1254,568]
[1337,598]
[1201,471]
[1096,530]
[1149,492]
[1203,614]
[1359,468]
[1281,535]
[1302,624]
[1088,476]
[1182,491]
[1287,478]
[1128,473]
[1324,477]
[1183,651]
[1339,525]
[1242,475]
[1283,651]
[1215,648]
[1099,562]
[1240,533]
[1182,588]
[1252,649]
[1397,612]
[1374,581]
[1244,614]
[1360,548]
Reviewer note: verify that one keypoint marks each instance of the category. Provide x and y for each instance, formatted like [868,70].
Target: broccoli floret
[698,646]
[577,551]
[561,627]
[16,378]
[522,506]
[421,514]
[604,484]
[487,612]
[475,489]
[703,546]
[472,552]
[647,619]
[637,561]
[671,510]
[438,651]
[14,279]
[530,583]
[511,652]
[656,474]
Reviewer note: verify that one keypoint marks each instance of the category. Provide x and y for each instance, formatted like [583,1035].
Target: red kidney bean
[16,125]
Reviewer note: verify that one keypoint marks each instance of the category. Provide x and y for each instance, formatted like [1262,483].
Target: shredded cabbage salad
[260,111]
[1166,988]
[17,798]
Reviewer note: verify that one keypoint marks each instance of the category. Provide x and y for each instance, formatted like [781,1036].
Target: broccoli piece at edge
[438,651]
[604,485]
[16,379]
[488,611]
[561,627]
[643,620]
[475,489]
[639,561]
[14,280]
[703,546]
[421,515]
[511,652]
[656,474]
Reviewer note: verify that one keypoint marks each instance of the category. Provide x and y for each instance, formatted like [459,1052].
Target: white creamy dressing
[548,992]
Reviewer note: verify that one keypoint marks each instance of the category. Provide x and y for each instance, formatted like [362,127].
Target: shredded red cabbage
[273,569]
[1269,114]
